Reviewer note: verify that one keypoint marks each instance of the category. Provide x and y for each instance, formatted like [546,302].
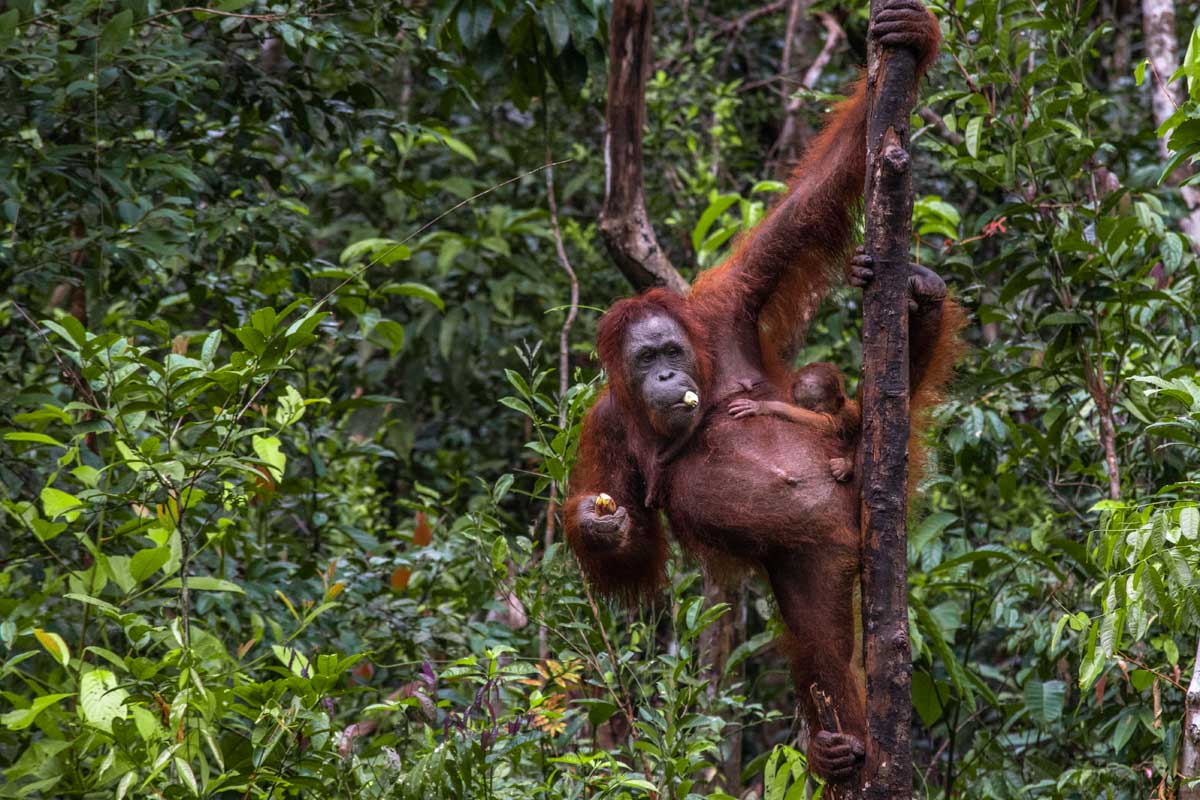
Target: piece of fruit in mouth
[605,504]
[691,399]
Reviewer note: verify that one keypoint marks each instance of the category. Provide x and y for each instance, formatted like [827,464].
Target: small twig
[736,26]
[833,35]
[564,359]
[216,13]
[935,119]
[359,272]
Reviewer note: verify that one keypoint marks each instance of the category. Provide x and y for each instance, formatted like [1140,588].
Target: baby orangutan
[819,393]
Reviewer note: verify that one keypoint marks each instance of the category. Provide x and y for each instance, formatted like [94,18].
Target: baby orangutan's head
[820,387]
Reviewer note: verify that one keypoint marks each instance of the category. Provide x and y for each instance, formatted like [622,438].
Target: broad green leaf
[557,25]
[382,251]
[1045,700]
[929,699]
[293,659]
[268,449]
[116,33]
[715,209]
[101,699]
[416,290]
[24,717]
[392,334]
[58,503]
[145,563]
[1189,523]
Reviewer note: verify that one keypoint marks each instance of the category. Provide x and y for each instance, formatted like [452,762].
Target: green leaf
[186,775]
[8,25]
[381,251]
[208,350]
[929,699]
[92,601]
[205,584]
[1062,318]
[101,699]
[474,22]
[24,717]
[416,290]
[557,25]
[292,658]
[126,781]
[974,129]
[268,449]
[1141,679]
[1045,701]
[28,436]
[715,209]
[58,503]
[500,555]
[501,488]
[116,33]
[1189,522]
[1171,248]
[392,333]
[145,563]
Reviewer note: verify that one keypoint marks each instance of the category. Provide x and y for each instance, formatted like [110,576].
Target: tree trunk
[1189,758]
[624,223]
[892,90]
[1158,26]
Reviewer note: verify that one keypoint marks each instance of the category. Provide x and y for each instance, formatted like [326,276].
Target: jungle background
[290,377]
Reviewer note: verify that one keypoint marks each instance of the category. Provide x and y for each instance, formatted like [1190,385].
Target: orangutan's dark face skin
[661,365]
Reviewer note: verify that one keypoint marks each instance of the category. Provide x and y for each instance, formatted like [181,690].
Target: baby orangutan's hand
[743,407]
[842,469]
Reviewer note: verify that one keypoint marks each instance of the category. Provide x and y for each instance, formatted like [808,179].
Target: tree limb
[1158,26]
[624,223]
[1189,758]
[794,131]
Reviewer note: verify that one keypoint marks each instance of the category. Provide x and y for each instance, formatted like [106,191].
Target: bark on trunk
[892,90]
[1158,26]
[624,223]
[1189,758]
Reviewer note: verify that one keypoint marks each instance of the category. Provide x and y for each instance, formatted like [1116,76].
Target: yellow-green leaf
[54,645]
[60,504]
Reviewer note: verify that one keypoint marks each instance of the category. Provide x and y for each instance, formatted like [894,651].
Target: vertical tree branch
[1189,758]
[624,223]
[795,132]
[1104,398]
[564,354]
[891,92]
[1158,26]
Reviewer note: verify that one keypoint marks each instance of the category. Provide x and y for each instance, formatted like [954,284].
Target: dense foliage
[281,408]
